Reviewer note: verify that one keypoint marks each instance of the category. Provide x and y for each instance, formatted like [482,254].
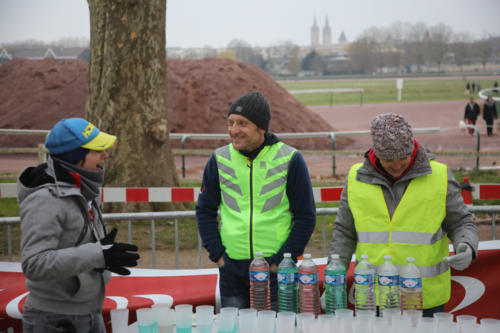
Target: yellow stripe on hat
[101,142]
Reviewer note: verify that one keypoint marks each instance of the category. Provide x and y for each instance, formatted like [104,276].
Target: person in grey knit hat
[401,202]
[263,190]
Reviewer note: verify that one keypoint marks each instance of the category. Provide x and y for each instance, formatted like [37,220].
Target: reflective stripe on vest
[255,214]
[414,230]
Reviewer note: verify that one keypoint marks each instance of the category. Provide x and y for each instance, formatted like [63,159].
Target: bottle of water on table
[364,286]
[308,286]
[335,285]
[259,283]
[388,285]
[411,286]
[288,298]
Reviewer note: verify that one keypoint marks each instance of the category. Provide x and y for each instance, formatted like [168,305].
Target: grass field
[385,91]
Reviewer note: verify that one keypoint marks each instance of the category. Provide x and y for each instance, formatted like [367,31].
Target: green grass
[384,91]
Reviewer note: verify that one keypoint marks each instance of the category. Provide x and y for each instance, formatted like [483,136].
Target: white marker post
[399,85]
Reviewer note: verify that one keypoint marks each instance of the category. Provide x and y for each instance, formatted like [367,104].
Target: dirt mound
[35,94]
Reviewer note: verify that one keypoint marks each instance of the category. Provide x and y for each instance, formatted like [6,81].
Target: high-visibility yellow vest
[414,230]
[254,209]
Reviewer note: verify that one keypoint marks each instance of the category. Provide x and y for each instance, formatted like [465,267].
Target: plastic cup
[326,322]
[442,317]
[225,322]
[119,320]
[247,320]
[466,319]
[380,325]
[183,318]
[311,325]
[400,324]
[204,318]
[490,325]
[146,321]
[301,317]
[266,320]
[414,316]
[285,322]
[165,316]
[342,313]
[232,311]
[447,327]
[426,325]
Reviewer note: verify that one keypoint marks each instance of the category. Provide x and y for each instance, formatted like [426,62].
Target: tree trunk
[127,90]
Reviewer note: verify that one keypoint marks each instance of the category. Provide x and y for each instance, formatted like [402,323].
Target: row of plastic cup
[161,318]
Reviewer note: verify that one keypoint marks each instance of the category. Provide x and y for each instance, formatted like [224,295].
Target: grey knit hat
[392,136]
[254,107]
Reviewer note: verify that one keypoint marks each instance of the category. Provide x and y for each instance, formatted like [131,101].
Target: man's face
[94,160]
[396,167]
[245,135]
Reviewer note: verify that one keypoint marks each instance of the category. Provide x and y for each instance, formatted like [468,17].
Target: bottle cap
[364,256]
[307,256]
[387,257]
[410,259]
[287,255]
[258,254]
[334,256]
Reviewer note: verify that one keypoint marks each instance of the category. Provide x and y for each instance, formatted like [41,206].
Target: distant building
[327,33]
[7,54]
[314,34]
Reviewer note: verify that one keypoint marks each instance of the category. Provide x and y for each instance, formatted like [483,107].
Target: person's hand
[220,262]
[462,259]
[118,255]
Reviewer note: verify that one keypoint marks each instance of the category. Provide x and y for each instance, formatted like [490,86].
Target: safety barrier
[190,194]
[155,216]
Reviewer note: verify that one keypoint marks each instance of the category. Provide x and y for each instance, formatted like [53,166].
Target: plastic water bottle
[288,297]
[364,285]
[388,285]
[335,285]
[411,286]
[308,286]
[259,283]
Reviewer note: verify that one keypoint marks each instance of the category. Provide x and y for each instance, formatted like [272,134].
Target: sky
[199,23]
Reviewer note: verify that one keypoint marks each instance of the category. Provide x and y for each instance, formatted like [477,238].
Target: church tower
[327,33]
[314,34]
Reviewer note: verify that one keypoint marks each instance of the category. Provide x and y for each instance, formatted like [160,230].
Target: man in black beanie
[263,190]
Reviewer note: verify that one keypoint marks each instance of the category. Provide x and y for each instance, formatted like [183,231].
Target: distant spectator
[467,88]
[495,85]
[471,113]
[478,86]
[489,114]
[473,87]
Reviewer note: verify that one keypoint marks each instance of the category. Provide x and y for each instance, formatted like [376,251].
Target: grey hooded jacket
[61,259]
[458,223]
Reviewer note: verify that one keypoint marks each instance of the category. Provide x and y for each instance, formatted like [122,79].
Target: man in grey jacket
[65,251]
[400,202]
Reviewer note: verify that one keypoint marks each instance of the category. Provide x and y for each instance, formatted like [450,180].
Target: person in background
[489,114]
[263,190]
[66,254]
[472,111]
[401,202]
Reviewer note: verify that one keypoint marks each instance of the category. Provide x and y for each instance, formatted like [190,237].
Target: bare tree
[439,39]
[483,50]
[127,90]
[461,48]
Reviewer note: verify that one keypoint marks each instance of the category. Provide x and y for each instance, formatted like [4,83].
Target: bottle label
[286,278]
[411,283]
[308,278]
[259,276]
[335,279]
[388,280]
[365,279]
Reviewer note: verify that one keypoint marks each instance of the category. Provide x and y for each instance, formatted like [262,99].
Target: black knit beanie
[254,107]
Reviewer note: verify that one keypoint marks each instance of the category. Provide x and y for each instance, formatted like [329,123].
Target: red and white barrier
[190,194]
[474,291]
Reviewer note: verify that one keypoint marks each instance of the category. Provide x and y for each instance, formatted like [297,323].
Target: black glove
[117,255]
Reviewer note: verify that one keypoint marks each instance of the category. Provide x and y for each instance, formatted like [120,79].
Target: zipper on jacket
[250,165]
